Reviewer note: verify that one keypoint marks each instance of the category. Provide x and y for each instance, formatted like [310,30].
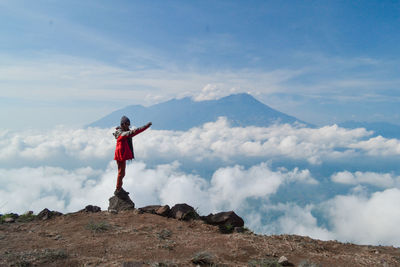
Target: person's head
[125,123]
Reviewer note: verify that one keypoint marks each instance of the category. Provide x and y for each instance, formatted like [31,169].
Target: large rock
[91,208]
[183,212]
[163,211]
[149,209]
[46,214]
[156,209]
[119,203]
[224,218]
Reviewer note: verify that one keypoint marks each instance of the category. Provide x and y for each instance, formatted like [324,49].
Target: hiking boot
[124,192]
[116,192]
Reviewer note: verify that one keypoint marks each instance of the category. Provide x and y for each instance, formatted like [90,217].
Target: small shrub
[226,228]
[203,258]
[164,234]
[8,215]
[98,227]
[27,217]
[50,255]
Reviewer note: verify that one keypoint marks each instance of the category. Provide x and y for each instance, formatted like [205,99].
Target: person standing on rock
[124,149]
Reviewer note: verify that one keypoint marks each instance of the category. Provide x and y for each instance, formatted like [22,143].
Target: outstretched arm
[139,130]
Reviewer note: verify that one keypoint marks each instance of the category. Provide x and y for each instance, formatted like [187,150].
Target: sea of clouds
[327,182]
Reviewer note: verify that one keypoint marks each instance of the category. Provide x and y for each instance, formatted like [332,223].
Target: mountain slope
[183,114]
[133,239]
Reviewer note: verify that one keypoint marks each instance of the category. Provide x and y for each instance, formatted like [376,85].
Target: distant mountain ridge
[183,114]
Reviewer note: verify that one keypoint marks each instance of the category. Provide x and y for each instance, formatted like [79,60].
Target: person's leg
[121,173]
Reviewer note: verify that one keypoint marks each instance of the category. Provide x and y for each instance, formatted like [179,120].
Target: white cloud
[364,220]
[55,77]
[379,146]
[220,140]
[212,142]
[298,220]
[46,187]
[58,147]
[383,180]
[67,169]
[355,218]
[229,188]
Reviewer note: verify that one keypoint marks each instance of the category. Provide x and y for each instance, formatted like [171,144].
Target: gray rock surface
[163,211]
[119,203]
[46,214]
[9,220]
[149,209]
[284,261]
[91,208]
[156,209]
[224,218]
[183,212]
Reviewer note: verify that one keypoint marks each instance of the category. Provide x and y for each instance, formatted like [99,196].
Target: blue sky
[72,62]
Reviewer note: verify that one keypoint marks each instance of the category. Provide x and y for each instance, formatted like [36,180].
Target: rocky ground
[131,238]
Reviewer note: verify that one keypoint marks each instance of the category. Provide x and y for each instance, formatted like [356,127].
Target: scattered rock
[224,218]
[163,211]
[112,211]
[119,203]
[47,214]
[90,208]
[156,209]
[9,220]
[284,261]
[183,212]
[149,209]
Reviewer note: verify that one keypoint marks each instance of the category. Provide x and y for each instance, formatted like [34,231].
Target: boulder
[120,202]
[156,209]
[91,208]
[46,214]
[149,209]
[224,218]
[183,212]
[283,261]
[163,211]
[9,220]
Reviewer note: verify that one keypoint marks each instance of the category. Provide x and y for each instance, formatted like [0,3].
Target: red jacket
[122,150]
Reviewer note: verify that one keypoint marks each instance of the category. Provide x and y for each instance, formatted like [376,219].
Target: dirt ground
[133,239]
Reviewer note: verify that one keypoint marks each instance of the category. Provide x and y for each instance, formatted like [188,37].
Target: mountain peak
[182,114]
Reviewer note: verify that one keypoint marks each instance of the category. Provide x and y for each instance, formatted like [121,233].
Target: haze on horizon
[70,63]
